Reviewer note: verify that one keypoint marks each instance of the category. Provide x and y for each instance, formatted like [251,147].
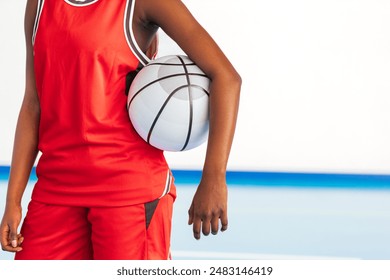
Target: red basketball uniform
[91,154]
[93,165]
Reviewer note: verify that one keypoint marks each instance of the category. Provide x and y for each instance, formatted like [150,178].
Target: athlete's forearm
[25,148]
[224,101]
[24,152]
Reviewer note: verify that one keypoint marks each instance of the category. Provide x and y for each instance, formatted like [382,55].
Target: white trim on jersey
[129,34]
[37,18]
[80,3]
[167,184]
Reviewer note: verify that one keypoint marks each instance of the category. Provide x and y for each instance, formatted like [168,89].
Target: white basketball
[168,103]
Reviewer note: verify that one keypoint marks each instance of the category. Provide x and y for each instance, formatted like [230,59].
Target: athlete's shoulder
[156,10]
[29,19]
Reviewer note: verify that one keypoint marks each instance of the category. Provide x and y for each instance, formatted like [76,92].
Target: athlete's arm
[25,146]
[209,205]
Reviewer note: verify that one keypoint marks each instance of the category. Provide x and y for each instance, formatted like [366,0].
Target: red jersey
[91,154]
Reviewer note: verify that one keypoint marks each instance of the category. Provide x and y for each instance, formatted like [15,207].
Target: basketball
[168,103]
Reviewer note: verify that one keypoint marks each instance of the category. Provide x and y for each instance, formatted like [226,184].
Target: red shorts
[137,232]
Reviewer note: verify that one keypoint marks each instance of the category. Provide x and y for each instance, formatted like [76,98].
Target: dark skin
[208,210]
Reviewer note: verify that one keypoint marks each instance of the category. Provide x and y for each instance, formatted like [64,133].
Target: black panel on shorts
[150,207]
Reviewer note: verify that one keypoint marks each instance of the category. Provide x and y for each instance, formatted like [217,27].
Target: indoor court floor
[281,221]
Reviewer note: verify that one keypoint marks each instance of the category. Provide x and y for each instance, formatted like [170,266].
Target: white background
[316,82]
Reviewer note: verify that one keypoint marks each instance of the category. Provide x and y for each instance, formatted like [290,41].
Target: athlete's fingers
[214,225]
[197,223]
[206,218]
[7,243]
[206,227]
[4,236]
[20,239]
[10,248]
[13,235]
[191,215]
[224,221]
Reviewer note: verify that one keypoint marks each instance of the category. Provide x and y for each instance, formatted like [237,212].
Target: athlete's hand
[10,239]
[209,206]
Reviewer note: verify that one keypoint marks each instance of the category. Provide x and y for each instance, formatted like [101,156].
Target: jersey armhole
[37,18]
[130,38]
[152,51]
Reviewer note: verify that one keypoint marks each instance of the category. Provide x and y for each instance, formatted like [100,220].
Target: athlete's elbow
[236,79]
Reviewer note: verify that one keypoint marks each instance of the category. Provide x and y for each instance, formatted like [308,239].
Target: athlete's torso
[91,155]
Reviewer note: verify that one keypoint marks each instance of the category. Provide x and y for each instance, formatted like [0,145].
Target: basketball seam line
[168,64]
[191,103]
[162,109]
[158,80]
[188,85]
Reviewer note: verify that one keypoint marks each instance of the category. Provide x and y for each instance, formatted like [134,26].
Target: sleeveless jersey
[90,153]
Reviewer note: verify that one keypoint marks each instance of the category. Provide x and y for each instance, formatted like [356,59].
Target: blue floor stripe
[287,179]
[4,172]
[275,179]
